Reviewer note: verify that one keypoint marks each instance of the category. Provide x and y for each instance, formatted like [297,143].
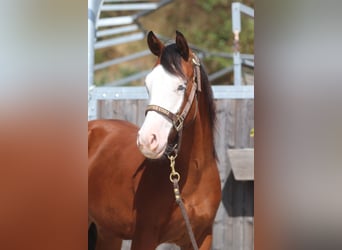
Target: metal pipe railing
[237,9]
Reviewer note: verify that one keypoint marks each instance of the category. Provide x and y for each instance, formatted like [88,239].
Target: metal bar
[91,40]
[119,40]
[140,93]
[224,54]
[248,63]
[233,92]
[160,4]
[115,1]
[91,57]
[207,53]
[218,54]
[247,57]
[130,78]
[220,73]
[236,17]
[236,28]
[92,101]
[119,93]
[131,6]
[114,31]
[121,59]
[246,10]
[237,9]
[113,21]
[237,69]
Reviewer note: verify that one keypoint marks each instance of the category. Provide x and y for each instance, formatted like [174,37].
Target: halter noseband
[178,119]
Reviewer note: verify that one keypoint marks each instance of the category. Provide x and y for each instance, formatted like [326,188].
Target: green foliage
[247,36]
[209,5]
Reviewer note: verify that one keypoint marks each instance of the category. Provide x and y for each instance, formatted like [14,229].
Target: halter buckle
[178,123]
[195,61]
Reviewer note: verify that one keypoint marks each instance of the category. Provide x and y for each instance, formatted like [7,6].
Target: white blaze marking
[163,91]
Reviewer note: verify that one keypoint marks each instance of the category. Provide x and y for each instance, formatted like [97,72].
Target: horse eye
[181,87]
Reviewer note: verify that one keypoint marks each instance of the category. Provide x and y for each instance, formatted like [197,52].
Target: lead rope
[174,178]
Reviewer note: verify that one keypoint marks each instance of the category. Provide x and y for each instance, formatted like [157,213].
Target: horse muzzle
[150,146]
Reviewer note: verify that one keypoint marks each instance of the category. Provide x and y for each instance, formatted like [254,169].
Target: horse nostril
[153,142]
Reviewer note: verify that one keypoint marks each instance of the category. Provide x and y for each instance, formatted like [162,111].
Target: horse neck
[198,137]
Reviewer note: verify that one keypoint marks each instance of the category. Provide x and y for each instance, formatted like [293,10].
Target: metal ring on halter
[174,177]
[178,123]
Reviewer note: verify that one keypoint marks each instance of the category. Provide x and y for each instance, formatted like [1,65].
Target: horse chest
[175,230]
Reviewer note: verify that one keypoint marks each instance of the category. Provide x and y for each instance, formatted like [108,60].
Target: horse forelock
[170,59]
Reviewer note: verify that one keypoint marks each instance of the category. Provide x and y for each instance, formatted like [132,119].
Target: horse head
[171,90]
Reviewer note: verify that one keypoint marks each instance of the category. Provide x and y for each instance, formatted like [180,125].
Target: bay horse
[130,191]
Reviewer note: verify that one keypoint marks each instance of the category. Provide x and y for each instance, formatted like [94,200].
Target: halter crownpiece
[197,74]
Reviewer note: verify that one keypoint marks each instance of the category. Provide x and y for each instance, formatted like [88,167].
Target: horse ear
[182,45]
[154,44]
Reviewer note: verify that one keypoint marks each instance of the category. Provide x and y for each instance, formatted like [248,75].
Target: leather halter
[178,118]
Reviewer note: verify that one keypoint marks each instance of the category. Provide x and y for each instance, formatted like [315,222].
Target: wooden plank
[221,138]
[237,233]
[250,117]
[231,124]
[248,232]
[242,163]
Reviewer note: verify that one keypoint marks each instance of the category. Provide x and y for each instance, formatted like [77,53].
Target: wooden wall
[234,223]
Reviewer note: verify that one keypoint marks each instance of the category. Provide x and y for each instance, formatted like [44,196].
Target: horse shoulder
[205,196]
[113,161]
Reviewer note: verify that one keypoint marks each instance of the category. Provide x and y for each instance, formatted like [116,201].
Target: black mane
[170,59]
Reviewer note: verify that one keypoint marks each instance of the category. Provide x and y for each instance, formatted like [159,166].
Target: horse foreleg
[206,243]
[144,240]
